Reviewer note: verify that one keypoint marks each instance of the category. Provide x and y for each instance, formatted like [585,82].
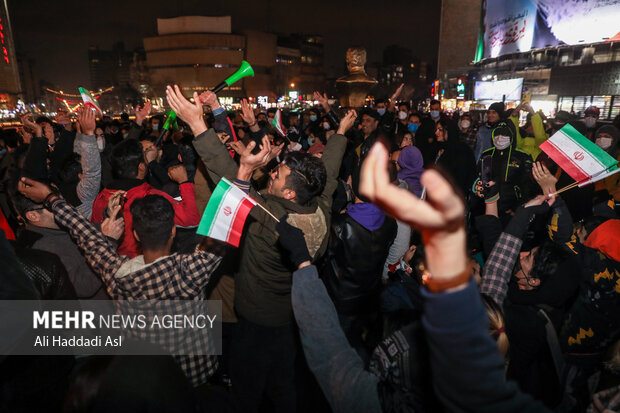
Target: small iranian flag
[90,101]
[277,123]
[226,213]
[578,156]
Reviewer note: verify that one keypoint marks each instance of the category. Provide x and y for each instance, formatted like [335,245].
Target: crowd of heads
[492,157]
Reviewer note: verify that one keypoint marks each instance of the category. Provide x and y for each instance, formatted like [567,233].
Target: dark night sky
[57,34]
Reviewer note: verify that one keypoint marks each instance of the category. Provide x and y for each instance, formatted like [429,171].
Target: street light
[292,84]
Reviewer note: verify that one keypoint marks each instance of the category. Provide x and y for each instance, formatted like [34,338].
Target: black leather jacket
[47,273]
[354,260]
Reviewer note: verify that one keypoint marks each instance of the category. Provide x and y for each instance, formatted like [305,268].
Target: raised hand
[190,113]
[114,225]
[347,121]
[398,91]
[178,174]
[210,99]
[33,190]
[143,113]
[62,118]
[276,150]
[86,120]
[440,220]
[27,121]
[545,179]
[247,113]
[322,99]
[115,200]
[249,162]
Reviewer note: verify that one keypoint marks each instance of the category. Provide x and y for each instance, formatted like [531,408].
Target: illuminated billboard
[513,26]
[509,89]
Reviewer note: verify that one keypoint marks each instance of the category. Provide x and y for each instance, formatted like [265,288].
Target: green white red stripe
[226,213]
[277,123]
[577,155]
[599,177]
[90,101]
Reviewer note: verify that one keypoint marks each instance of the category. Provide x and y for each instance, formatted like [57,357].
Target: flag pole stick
[267,211]
[566,188]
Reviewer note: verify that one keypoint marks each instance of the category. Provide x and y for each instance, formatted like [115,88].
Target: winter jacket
[185,212]
[511,170]
[529,144]
[263,279]
[57,241]
[354,260]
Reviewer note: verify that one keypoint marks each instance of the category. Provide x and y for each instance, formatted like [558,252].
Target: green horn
[243,71]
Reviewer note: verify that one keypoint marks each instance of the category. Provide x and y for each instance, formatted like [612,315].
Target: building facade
[558,59]
[10,86]
[199,52]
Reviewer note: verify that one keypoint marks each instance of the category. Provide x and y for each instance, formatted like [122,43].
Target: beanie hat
[498,107]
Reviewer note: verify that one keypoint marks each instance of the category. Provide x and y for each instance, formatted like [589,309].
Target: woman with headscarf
[454,157]
[411,168]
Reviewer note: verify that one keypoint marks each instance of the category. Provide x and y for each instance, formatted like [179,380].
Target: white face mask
[501,142]
[156,126]
[326,125]
[603,142]
[402,115]
[310,141]
[590,122]
[465,124]
[381,111]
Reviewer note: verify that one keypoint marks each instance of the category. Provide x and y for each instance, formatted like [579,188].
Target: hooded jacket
[185,211]
[511,169]
[412,165]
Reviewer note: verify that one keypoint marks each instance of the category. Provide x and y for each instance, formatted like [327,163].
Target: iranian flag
[226,213]
[90,101]
[578,156]
[277,123]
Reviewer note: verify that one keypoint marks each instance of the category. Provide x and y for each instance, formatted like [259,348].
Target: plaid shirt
[177,276]
[498,268]
[470,137]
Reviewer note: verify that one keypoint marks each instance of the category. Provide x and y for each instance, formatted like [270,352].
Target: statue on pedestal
[354,87]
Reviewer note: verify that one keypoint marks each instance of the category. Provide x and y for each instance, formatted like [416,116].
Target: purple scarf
[411,168]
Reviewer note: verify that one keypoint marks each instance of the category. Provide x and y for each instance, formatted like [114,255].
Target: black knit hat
[498,107]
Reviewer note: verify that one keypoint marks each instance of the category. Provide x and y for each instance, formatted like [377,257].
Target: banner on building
[514,26]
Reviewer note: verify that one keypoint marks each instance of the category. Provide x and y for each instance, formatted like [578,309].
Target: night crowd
[421,262]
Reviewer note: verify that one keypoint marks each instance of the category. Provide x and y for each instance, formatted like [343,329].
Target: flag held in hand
[226,213]
[90,101]
[277,123]
[579,157]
